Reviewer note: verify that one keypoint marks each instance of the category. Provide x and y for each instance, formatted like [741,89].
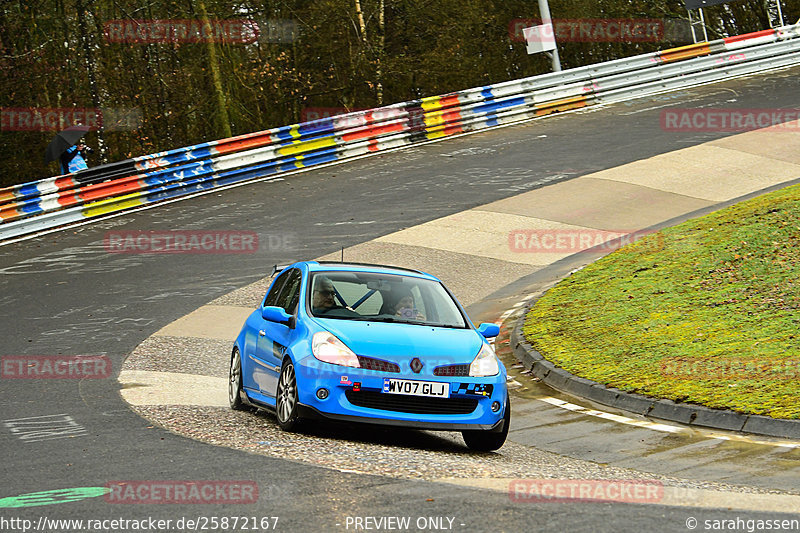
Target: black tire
[235,391]
[286,398]
[488,441]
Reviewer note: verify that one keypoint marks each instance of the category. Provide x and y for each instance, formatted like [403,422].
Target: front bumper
[306,411]
[340,382]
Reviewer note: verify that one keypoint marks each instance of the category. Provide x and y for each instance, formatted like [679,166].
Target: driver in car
[323,299]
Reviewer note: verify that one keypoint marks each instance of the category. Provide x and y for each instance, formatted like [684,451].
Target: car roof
[337,266]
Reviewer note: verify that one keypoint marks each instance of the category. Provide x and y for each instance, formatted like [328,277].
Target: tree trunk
[366,48]
[222,122]
[361,24]
[93,90]
[379,55]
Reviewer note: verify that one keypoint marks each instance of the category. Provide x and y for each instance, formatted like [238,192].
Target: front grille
[452,370]
[411,404]
[368,363]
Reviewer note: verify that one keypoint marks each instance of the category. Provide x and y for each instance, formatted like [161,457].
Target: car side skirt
[256,399]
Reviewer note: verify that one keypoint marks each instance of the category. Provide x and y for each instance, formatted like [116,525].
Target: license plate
[416,388]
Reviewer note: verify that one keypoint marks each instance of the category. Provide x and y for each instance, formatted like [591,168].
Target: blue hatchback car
[370,343]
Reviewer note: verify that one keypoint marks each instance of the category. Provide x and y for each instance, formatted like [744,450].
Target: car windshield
[377,297]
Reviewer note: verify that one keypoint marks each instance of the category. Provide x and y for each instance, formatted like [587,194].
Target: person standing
[72,160]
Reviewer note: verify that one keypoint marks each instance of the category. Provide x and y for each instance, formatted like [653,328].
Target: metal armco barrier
[53,202]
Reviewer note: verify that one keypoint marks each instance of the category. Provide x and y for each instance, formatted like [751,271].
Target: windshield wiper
[376,319]
[451,326]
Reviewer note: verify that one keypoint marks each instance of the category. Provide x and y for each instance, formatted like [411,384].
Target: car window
[359,297]
[290,292]
[275,289]
[382,298]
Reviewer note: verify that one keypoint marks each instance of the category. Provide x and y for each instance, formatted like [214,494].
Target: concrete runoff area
[209,322]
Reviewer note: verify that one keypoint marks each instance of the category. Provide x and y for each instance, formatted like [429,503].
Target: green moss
[681,313]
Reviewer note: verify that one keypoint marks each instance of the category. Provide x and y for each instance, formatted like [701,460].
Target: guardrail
[63,200]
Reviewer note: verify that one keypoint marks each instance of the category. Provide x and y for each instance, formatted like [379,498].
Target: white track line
[666,427]
[615,418]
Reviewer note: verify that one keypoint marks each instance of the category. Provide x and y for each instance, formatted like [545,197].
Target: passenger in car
[404,306]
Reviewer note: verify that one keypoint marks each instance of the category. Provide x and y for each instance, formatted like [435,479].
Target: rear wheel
[487,441]
[235,382]
[286,398]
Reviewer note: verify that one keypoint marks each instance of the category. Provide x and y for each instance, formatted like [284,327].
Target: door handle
[261,333]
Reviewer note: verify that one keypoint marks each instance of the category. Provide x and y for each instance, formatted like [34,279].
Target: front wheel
[235,382]
[488,441]
[286,398]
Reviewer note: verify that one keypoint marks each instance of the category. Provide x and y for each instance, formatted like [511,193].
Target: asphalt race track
[64,294]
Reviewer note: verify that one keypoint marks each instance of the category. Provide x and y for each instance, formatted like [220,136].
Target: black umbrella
[62,141]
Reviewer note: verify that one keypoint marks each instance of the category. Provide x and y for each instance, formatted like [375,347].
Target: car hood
[397,342]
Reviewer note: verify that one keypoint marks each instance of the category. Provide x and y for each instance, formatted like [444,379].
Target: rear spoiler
[278,268]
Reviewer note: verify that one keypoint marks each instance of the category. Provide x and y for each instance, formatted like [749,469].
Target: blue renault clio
[370,343]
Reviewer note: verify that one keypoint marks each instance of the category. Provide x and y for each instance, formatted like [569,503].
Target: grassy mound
[706,312]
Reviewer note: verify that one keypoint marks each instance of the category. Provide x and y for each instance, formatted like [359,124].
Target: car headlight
[485,363]
[328,348]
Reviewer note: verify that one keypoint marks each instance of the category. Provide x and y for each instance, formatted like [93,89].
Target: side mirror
[275,314]
[489,330]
